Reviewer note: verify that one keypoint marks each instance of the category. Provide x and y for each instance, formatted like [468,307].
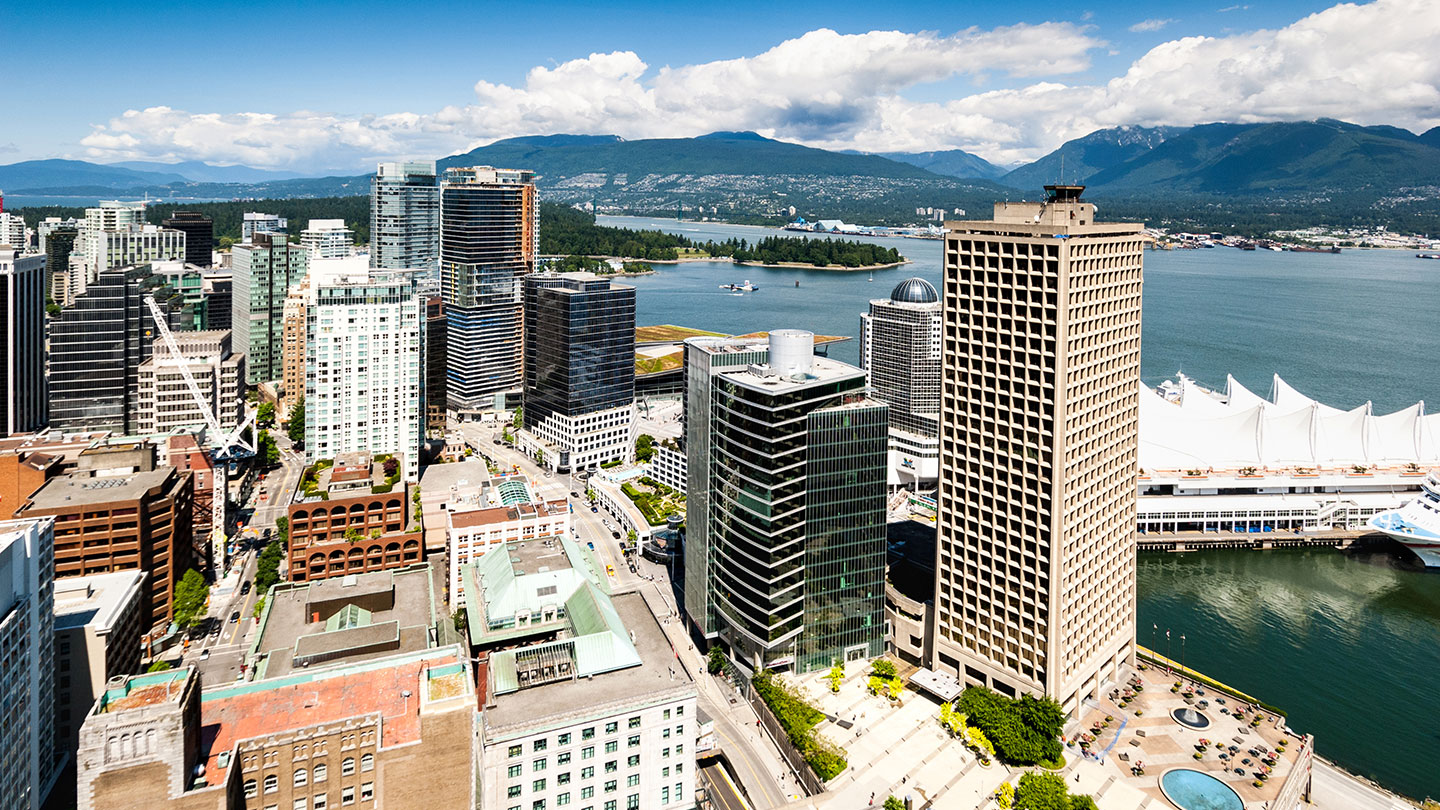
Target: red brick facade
[319,548]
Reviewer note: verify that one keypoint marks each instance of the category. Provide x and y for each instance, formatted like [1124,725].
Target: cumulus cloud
[1150,25]
[849,91]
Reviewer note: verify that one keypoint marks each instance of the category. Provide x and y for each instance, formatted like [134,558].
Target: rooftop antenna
[1062,169]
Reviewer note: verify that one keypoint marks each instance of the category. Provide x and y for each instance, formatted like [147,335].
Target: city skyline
[1002,84]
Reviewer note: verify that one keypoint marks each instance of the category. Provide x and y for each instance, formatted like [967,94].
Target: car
[574,494]
[615,535]
[591,545]
[594,509]
[245,589]
[205,654]
[234,616]
[610,570]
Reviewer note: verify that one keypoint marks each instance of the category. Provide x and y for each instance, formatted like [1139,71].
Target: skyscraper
[579,368]
[489,222]
[97,345]
[22,341]
[328,239]
[435,365]
[900,352]
[1039,433]
[116,235]
[57,242]
[263,272]
[364,389]
[786,506]
[199,233]
[405,217]
[27,682]
[254,222]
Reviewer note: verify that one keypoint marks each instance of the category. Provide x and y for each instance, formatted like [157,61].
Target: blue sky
[336,86]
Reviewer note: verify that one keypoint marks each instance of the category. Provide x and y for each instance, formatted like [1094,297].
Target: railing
[1297,783]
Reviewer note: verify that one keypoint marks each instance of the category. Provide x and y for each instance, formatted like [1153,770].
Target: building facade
[365,376]
[900,353]
[23,403]
[579,368]
[435,335]
[263,272]
[28,762]
[1037,494]
[98,628]
[165,399]
[489,225]
[57,242]
[354,530]
[97,345]
[472,533]
[405,217]
[793,481]
[88,257]
[253,222]
[199,233]
[328,239]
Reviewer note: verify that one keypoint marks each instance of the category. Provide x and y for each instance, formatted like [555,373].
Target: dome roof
[914,291]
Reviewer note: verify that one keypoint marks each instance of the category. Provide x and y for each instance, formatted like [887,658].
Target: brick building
[355,529]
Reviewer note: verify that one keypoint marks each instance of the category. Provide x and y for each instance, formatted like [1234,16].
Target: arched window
[302,777]
[320,772]
[367,762]
[249,788]
[272,783]
[347,768]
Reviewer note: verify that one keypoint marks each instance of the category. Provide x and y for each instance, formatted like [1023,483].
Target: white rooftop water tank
[792,351]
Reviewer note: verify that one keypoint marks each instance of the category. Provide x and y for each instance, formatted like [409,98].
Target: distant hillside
[1319,156]
[68,173]
[950,162]
[1085,156]
[198,172]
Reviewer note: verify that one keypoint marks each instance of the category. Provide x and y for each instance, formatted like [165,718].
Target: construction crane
[223,447]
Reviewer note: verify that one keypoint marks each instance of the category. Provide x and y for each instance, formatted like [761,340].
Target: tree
[461,621]
[715,660]
[540,457]
[506,436]
[259,607]
[269,453]
[190,595]
[1041,791]
[631,537]
[892,803]
[644,447]
[1024,731]
[1082,802]
[265,414]
[1005,796]
[267,567]
[160,666]
[883,667]
[282,529]
[518,419]
[295,427]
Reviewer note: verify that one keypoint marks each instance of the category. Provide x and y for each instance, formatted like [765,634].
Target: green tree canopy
[265,414]
[190,595]
[295,426]
[160,666]
[269,453]
[1024,731]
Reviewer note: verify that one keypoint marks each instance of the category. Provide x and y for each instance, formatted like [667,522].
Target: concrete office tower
[405,217]
[579,369]
[1039,430]
[328,239]
[57,242]
[116,235]
[22,341]
[253,223]
[98,625]
[900,353]
[791,542]
[97,345]
[489,221]
[365,375]
[165,400]
[199,233]
[27,682]
[262,273]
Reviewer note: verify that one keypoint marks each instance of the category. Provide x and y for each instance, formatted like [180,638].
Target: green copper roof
[347,617]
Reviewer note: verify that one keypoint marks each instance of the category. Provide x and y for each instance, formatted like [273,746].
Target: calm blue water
[1193,790]
[1348,644]
[1363,325]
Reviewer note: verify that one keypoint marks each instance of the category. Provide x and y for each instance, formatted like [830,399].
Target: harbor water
[1347,643]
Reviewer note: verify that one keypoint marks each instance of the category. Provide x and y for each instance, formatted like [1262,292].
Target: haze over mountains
[742,173]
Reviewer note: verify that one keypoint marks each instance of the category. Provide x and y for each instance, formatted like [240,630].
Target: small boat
[1277,248]
[1304,249]
[746,287]
[1248,246]
[1427,255]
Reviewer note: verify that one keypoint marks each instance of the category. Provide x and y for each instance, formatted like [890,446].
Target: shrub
[892,803]
[799,719]
[1024,731]
[715,660]
[1005,796]
[1041,791]
[883,667]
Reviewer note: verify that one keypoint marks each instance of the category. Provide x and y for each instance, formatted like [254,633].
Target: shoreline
[832,268]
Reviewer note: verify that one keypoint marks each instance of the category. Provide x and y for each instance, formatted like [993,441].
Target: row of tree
[801,250]
[569,231]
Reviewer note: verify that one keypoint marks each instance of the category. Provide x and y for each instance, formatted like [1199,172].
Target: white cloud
[1150,25]
[849,91]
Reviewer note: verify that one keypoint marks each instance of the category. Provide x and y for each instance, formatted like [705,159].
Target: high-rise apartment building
[579,368]
[199,233]
[328,239]
[435,365]
[22,341]
[900,353]
[364,370]
[791,545]
[165,399]
[262,273]
[97,345]
[116,235]
[405,217]
[13,232]
[27,680]
[57,242]
[1039,433]
[489,221]
[253,222]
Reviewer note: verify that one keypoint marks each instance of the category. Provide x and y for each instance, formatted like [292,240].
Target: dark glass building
[579,367]
[785,543]
[435,365]
[199,235]
[98,343]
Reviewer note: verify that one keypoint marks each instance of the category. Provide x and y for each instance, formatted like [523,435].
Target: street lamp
[1168,668]
[1182,655]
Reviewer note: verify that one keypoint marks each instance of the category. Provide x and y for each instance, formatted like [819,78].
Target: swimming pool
[1194,790]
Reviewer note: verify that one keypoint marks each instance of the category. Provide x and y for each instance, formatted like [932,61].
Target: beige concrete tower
[1039,418]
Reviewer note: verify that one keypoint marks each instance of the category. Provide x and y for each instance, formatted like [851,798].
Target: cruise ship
[1416,525]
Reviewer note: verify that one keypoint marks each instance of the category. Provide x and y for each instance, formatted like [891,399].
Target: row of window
[589,733]
[321,801]
[631,802]
[302,776]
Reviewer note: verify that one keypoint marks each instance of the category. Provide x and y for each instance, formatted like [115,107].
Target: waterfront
[1348,644]
[1345,329]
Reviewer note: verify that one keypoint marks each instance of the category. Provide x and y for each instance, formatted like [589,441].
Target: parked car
[610,570]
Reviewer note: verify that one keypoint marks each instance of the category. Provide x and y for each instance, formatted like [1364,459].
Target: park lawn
[669,332]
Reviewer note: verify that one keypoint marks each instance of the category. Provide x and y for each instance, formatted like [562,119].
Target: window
[679,711]
[302,803]
[538,804]
[679,766]
[680,730]
[611,728]
[679,791]
[513,792]
[322,801]
[563,798]
[367,791]
[665,773]
[249,788]
[665,795]
[587,792]
[633,742]
[612,766]
[538,786]
[588,734]
[679,749]
[538,746]
[347,795]
[610,805]
[667,714]
[665,732]
[612,746]
[632,802]
[367,762]
[562,759]
[272,783]
[563,739]
[633,780]
[516,750]
[538,765]
[633,761]
[562,778]
[514,771]
[321,771]
[347,766]
[611,785]
[302,777]
[665,753]
[587,773]
[587,752]
[634,722]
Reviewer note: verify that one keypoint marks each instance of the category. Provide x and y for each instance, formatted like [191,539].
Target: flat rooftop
[822,370]
[500,514]
[658,672]
[74,490]
[95,600]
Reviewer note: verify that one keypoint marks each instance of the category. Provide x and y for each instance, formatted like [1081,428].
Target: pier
[1199,541]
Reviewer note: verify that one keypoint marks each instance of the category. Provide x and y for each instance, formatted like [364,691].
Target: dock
[1199,541]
